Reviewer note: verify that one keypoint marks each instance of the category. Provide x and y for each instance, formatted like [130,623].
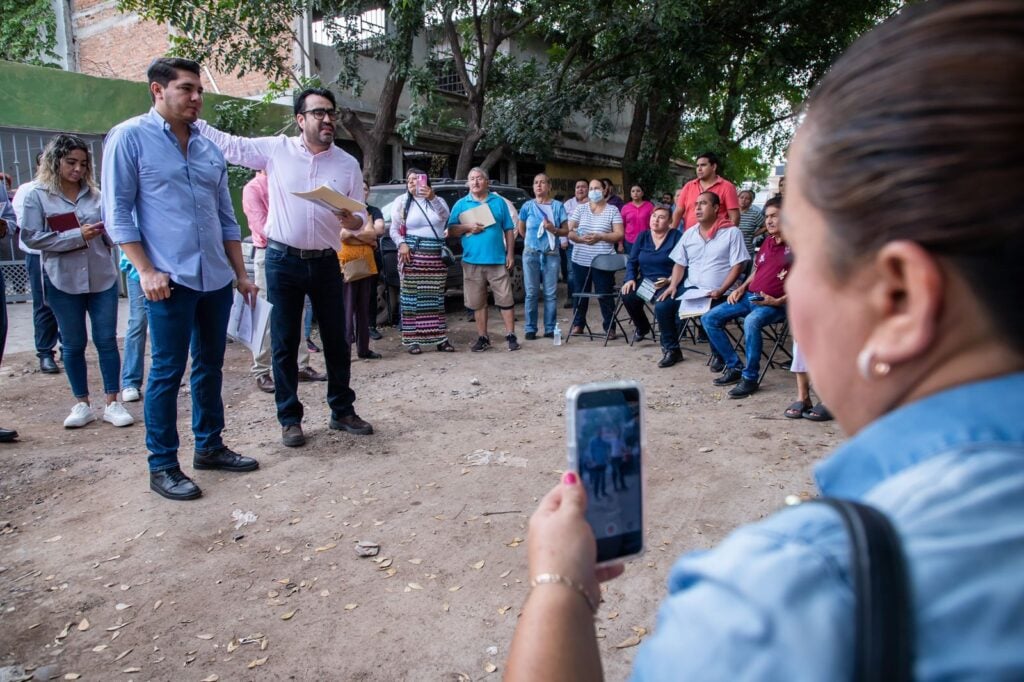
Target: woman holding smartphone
[418,220]
[903,293]
[62,219]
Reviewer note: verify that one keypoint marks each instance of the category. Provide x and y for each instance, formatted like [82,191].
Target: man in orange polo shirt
[707,180]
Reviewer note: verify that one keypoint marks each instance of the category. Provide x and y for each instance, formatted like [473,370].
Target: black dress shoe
[307,373]
[370,355]
[48,366]
[670,358]
[638,337]
[717,364]
[351,423]
[292,436]
[224,459]
[375,334]
[743,389]
[730,376]
[8,435]
[173,485]
[531,336]
[265,383]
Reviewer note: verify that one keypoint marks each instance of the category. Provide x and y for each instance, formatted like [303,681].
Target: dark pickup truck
[451,191]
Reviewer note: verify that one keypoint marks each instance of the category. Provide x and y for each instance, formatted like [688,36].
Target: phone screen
[608,445]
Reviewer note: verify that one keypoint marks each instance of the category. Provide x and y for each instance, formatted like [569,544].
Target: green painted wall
[51,99]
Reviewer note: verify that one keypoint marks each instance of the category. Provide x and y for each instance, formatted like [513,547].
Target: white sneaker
[130,394]
[117,415]
[81,414]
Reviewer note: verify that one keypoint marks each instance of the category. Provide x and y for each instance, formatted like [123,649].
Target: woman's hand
[404,253]
[669,292]
[628,286]
[560,539]
[91,230]
[590,238]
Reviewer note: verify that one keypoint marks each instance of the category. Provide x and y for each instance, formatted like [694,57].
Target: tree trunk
[634,141]
[474,132]
[493,157]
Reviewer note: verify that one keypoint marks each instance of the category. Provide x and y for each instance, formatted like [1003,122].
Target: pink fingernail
[570,478]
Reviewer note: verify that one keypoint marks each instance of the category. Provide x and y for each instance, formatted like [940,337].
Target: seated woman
[649,259]
[64,220]
[903,296]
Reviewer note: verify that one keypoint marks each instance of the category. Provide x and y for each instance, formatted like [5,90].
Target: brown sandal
[445,347]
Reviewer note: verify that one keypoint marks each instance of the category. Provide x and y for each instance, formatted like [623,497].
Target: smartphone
[99,226]
[757,297]
[607,445]
[421,183]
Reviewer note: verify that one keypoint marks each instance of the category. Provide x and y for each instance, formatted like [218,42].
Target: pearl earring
[870,368]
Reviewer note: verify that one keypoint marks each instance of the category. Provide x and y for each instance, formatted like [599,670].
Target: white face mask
[595,195]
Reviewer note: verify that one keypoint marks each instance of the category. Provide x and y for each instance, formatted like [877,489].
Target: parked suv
[451,191]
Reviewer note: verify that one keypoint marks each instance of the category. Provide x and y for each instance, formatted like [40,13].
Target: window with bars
[363,29]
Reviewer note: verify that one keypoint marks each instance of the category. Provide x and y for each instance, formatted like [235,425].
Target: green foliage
[28,32]
[240,36]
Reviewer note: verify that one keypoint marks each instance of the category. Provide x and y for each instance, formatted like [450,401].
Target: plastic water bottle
[558,335]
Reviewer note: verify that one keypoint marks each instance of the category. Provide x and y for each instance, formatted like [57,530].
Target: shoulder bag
[884,632]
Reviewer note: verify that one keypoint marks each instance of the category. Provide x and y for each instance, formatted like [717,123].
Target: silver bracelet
[556,579]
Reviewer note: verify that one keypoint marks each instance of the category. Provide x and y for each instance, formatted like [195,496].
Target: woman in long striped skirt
[418,220]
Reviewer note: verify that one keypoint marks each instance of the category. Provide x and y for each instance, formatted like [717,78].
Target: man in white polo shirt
[710,256]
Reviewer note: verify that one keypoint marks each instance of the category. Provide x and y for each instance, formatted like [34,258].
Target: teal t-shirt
[488,247]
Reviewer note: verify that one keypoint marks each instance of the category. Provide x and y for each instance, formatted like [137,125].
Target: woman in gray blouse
[63,219]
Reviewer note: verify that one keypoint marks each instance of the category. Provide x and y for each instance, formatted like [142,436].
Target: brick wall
[115,45]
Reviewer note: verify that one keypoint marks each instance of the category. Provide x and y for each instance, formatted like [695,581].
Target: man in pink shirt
[760,301]
[256,205]
[707,180]
[303,239]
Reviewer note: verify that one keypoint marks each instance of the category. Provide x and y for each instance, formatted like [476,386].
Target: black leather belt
[305,254]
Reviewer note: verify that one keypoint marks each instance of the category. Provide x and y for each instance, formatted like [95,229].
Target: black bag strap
[884,635]
[405,215]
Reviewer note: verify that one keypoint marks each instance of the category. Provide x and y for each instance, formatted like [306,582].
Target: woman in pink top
[636,216]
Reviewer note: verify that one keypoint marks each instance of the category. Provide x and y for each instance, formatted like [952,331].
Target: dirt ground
[103,579]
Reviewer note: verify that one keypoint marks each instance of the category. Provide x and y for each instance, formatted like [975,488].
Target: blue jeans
[70,310]
[308,320]
[135,338]
[188,317]
[756,318]
[666,312]
[3,314]
[289,280]
[44,324]
[600,282]
[541,267]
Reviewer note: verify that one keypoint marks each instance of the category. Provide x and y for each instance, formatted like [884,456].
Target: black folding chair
[774,335]
[606,262]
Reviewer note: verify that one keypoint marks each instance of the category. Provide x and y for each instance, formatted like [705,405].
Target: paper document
[332,199]
[481,214]
[646,290]
[694,303]
[545,213]
[248,324]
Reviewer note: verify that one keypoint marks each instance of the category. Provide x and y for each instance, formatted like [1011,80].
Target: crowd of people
[899,295]
[900,303]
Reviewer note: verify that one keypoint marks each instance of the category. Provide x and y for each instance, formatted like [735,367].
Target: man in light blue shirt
[488,254]
[166,203]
